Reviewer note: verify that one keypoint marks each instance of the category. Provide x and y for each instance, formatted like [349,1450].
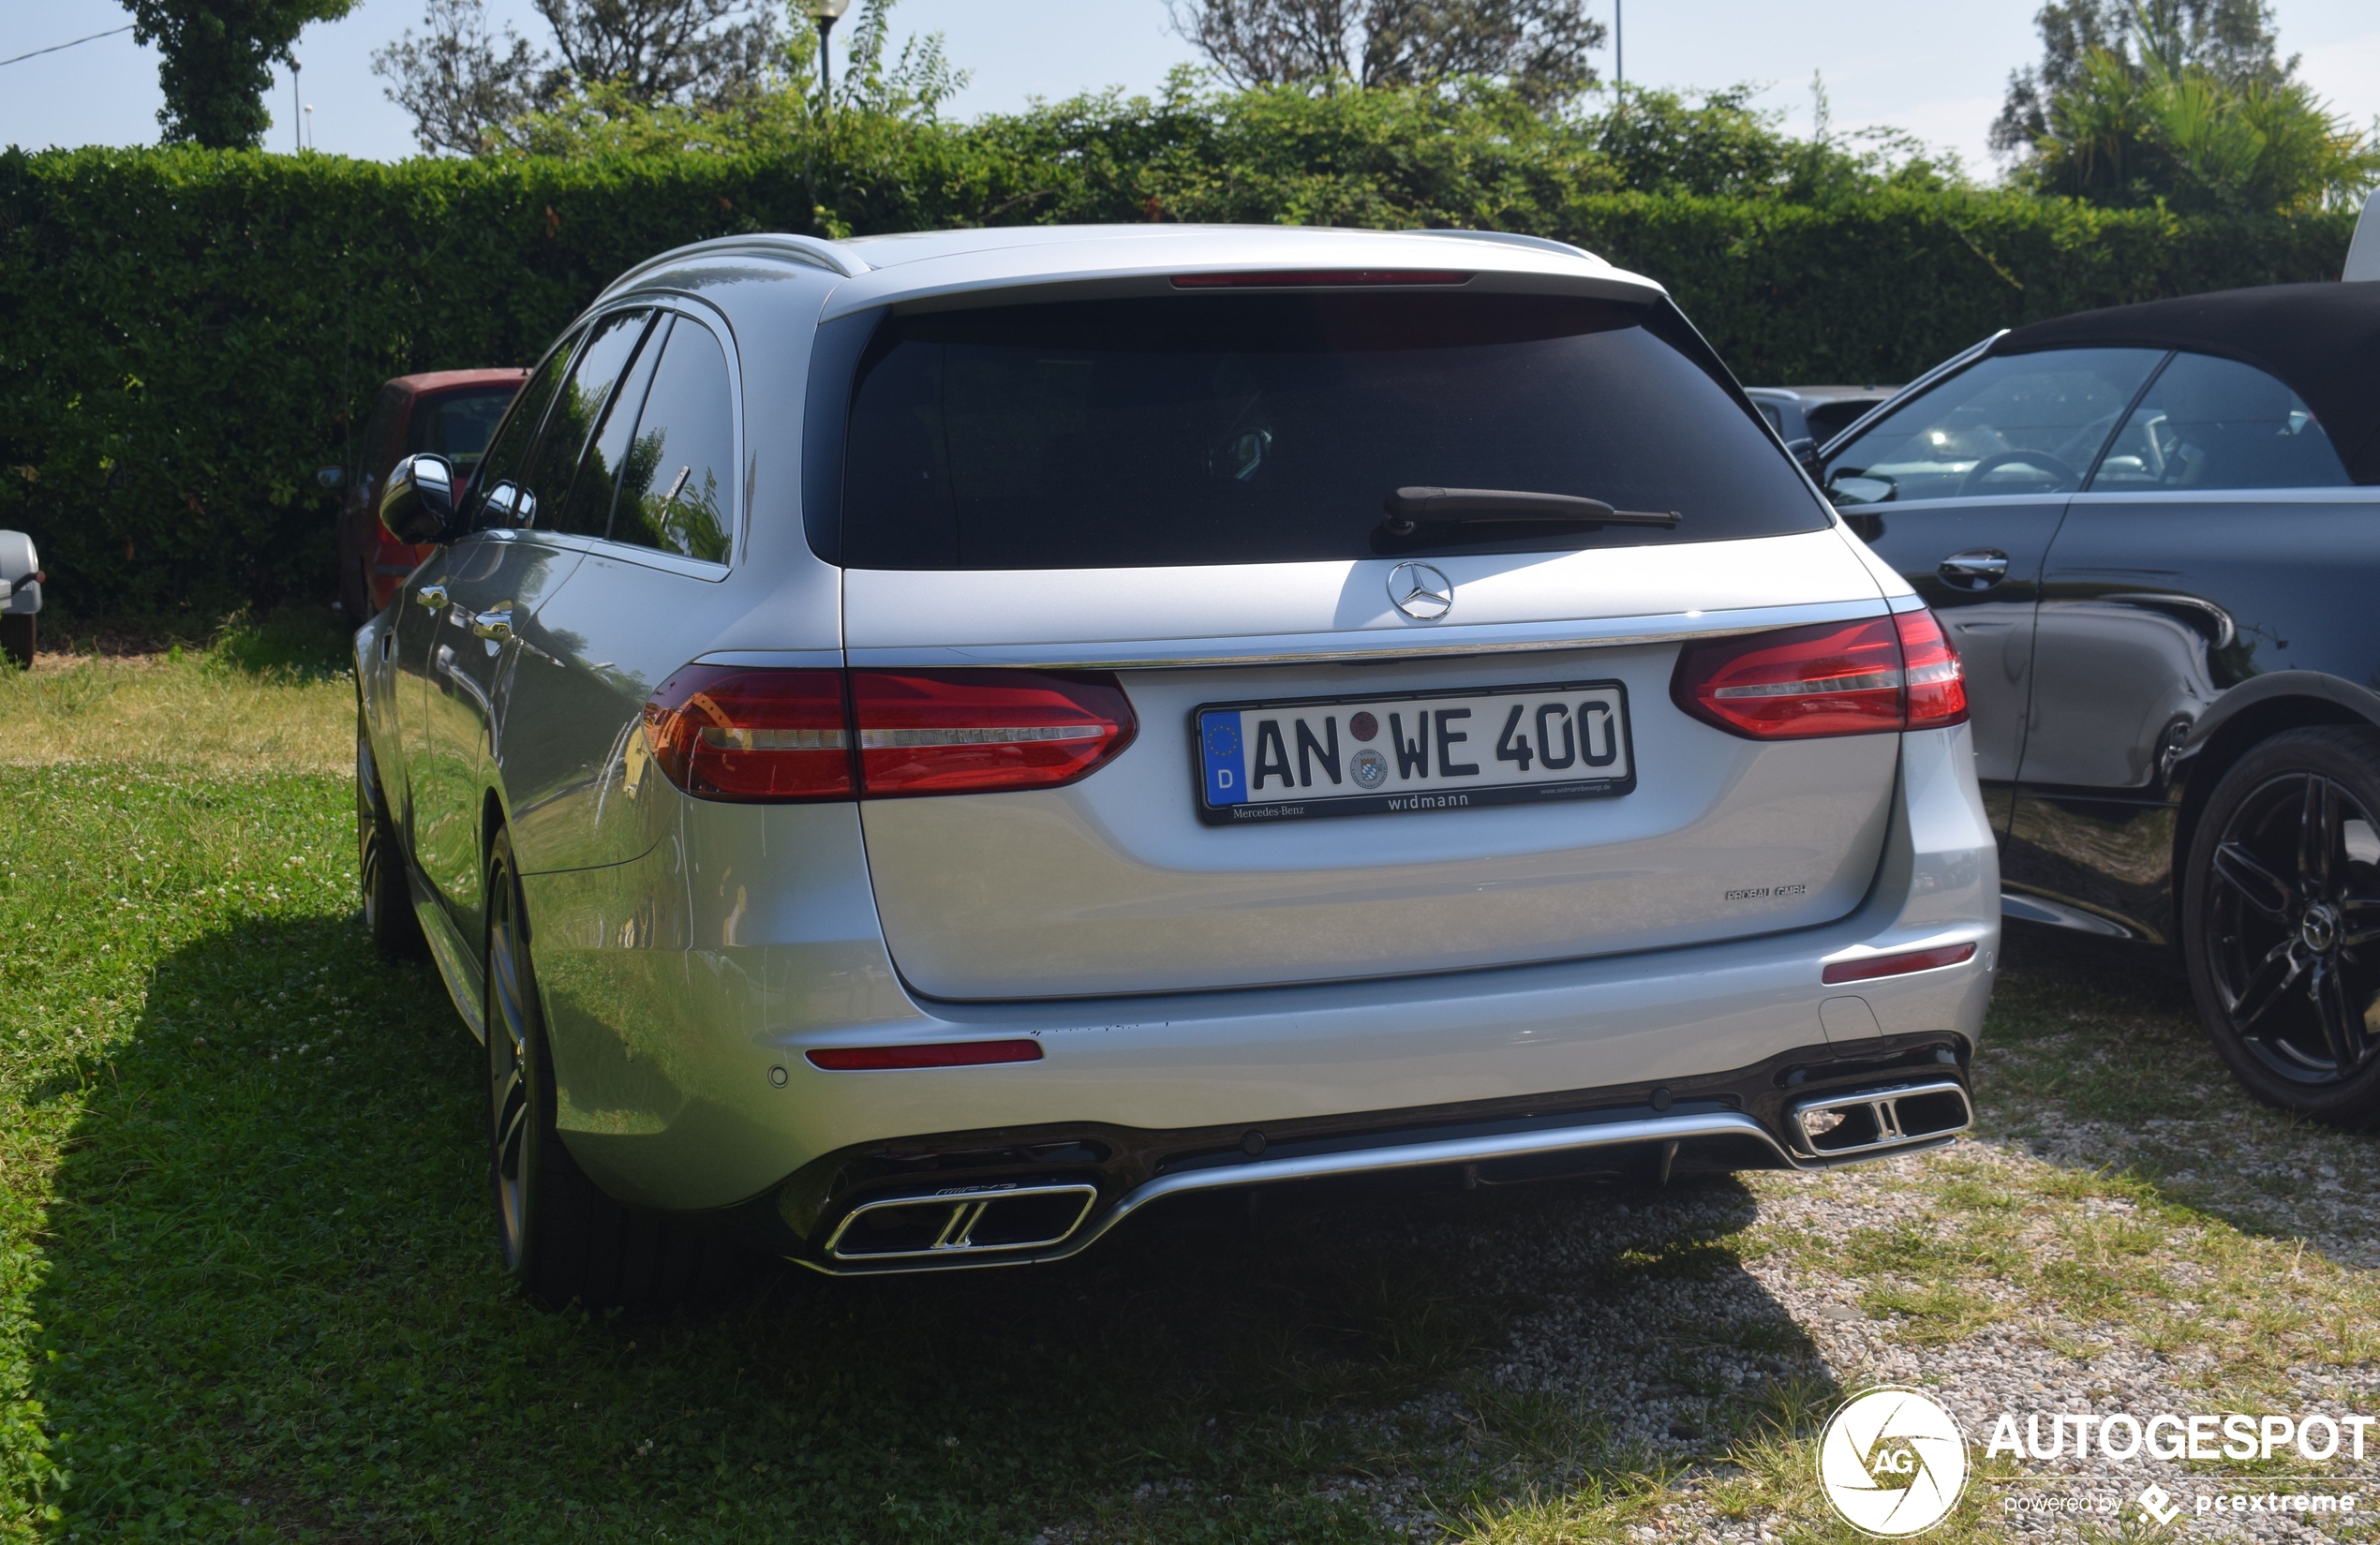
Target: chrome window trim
[1374,644]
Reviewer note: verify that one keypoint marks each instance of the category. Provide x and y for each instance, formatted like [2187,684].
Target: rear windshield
[1268,428]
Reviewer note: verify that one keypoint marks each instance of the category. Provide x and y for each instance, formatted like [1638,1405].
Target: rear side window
[677,484]
[2016,424]
[1269,428]
[2207,422]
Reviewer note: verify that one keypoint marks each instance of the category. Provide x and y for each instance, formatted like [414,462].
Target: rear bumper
[962,1199]
[684,989]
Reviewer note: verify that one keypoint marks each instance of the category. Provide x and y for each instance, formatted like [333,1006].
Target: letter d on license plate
[1412,754]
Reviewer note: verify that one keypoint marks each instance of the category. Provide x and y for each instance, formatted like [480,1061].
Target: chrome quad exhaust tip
[1871,1120]
[962,1220]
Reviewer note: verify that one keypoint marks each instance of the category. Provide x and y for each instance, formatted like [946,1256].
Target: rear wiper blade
[1409,507]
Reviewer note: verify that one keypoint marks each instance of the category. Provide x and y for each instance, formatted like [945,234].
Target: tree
[217,59]
[875,90]
[459,81]
[1537,47]
[2182,102]
[464,84]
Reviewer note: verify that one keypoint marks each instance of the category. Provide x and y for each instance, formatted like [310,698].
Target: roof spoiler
[2363,253]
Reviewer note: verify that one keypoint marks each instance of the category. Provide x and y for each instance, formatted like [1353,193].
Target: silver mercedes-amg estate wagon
[911,751]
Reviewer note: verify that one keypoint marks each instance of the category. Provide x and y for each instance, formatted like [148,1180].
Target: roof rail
[830,256]
[1512,238]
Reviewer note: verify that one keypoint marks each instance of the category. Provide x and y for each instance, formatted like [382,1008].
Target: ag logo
[1892,1463]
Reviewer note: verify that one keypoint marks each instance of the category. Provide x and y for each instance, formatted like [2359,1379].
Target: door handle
[431,596]
[1976,568]
[495,624]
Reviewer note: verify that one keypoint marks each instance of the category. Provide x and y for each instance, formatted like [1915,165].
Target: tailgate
[1135,880]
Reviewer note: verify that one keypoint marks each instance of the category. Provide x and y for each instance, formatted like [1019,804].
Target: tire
[380,866]
[2280,922]
[17,632]
[561,1238]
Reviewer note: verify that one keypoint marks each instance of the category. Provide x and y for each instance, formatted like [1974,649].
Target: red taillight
[1309,278]
[1896,965]
[722,733]
[1937,681]
[962,732]
[942,1054]
[1834,678]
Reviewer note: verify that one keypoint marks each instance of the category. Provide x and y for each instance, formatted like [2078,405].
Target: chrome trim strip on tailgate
[1372,643]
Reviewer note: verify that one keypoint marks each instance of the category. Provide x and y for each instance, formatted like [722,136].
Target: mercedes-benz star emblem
[1420,592]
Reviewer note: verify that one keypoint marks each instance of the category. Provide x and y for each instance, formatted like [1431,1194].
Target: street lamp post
[826,13]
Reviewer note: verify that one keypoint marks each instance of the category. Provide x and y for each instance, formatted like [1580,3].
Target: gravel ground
[2125,1233]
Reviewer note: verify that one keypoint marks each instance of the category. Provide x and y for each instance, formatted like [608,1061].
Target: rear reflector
[1861,678]
[724,733]
[1896,965]
[941,1054]
[963,732]
[1307,278]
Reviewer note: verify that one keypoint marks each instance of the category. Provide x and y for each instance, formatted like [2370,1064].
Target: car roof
[2320,339]
[428,381]
[921,265]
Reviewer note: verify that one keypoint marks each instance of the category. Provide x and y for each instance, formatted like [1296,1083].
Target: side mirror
[1805,452]
[332,477]
[417,505]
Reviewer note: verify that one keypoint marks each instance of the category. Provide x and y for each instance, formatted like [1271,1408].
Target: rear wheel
[562,1237]
[2282,922]
[388,901]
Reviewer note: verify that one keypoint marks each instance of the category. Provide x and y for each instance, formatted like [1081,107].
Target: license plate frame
[1209,757]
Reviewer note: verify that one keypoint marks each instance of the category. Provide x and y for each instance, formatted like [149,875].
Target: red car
[451,412]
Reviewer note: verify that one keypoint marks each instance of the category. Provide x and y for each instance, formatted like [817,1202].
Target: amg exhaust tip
[962,1220]
[1872,1121]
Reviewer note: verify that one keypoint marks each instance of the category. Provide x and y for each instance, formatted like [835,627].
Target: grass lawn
[247,1289]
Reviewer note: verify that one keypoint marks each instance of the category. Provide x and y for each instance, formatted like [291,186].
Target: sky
[1933,69]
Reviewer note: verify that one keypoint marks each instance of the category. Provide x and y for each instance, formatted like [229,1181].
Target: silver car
[912,751]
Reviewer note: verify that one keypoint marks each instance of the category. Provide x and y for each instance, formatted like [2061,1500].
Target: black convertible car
[2155,534]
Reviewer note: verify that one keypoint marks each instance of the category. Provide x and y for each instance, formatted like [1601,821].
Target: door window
[2207,422]
[595,490]
[578,408]
[678,480]
[2016,424]
[495,488]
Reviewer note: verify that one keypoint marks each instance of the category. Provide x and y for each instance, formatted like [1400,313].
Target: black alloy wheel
[388,901]
[562,1237]
[2282,922]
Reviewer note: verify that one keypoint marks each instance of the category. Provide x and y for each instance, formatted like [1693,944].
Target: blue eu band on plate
[1413,753]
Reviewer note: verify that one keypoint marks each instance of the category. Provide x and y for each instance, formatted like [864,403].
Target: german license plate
[1412,753]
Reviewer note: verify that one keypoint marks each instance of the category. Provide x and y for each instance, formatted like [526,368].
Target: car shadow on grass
[2093,1057]
[272,1311]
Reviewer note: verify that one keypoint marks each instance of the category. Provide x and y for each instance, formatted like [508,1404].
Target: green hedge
[185,335]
